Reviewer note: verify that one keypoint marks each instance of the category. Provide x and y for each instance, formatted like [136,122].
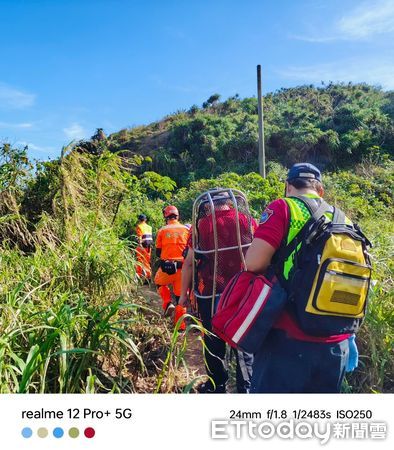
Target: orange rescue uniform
[171,240]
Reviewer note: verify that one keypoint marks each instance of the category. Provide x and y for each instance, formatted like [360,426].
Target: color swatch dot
[27,432]
[42,432]
[89,432]
[58,432]
[73,433]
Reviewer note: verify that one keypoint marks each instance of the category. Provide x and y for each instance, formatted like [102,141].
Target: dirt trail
[194,358]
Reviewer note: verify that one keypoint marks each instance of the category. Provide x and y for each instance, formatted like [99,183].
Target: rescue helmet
[170,211]
[142,217]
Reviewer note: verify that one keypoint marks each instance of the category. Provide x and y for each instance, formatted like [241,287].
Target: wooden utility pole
[261,124]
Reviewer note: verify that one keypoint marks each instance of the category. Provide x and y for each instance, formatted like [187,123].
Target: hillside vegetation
[72,317]
[334,126]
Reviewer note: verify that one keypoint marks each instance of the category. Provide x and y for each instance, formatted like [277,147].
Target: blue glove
[352,361]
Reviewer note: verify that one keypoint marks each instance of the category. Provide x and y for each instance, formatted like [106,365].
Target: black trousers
[215,353]
[285,365]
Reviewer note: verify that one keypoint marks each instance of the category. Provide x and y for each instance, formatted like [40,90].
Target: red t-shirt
[254,228]
[274,223]
[273,228]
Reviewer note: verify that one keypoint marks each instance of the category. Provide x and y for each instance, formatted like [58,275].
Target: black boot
[209,388]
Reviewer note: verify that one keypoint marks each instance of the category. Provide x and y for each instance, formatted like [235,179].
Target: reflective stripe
[299,215]
[252,313]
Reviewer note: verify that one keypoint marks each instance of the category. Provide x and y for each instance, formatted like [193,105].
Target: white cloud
[17,126]
[75,131]
[313,39]
[36,148]
[368,19]
[11,97]
[368,71]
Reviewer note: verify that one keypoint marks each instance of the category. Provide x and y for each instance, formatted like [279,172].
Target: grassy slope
[71,300]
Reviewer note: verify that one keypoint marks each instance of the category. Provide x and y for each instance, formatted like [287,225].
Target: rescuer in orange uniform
[170,243]
[144,247]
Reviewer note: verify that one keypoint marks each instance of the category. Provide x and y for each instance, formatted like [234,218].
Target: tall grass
[71,316]
[175,375]
[376,337]
[63,312]
[70,319]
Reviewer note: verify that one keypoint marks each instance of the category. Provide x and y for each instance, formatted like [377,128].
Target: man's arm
[187,275]
[268,236]
[259,255]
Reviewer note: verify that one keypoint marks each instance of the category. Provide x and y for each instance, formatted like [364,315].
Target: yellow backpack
[329,282]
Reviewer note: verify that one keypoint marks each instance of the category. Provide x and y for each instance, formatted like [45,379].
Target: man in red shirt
[228,264]
[289,359]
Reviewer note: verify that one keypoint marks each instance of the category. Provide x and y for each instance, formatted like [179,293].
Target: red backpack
[247,310]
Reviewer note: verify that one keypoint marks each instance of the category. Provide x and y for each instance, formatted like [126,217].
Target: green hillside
[72,314]
[334,126]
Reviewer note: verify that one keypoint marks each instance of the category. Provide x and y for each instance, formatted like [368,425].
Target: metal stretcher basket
[222,231]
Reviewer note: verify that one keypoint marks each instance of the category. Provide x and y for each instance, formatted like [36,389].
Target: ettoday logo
[291,429]
[226,429]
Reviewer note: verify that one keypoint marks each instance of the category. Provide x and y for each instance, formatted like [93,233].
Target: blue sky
[70,66]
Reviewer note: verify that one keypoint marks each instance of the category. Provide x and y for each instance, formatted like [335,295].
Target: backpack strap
[316,210]
[285,250]
[360,233]
[338,217]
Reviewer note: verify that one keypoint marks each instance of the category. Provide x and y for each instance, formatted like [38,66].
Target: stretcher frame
[209,197]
